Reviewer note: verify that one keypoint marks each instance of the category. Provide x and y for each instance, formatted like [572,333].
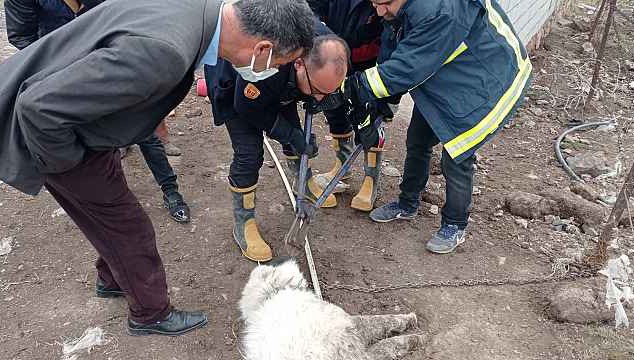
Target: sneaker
[177,207]
[391,211]
[446,239]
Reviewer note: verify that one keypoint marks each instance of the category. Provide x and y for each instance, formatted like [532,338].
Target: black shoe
[103,292]
[176,323]
[178,209]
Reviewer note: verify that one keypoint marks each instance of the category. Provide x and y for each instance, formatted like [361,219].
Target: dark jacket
[103,81]
[29,20]
[356,22]
[463,64]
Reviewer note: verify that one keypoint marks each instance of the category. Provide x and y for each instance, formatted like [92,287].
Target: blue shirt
[211,55]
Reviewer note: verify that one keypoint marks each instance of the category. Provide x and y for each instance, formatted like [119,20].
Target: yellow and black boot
[364,200]
[343,146]
[313,190]
[245,229]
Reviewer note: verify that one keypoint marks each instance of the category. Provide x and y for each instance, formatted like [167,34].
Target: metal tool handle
[345,167]
[303,166]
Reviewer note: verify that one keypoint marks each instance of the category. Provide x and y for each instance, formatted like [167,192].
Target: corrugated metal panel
[528,16]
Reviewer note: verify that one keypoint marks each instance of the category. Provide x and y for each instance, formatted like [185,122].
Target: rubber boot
[313,190]
[343,145]
[245,229]
[364,200]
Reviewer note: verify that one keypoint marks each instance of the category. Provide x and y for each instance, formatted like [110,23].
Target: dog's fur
[284,320]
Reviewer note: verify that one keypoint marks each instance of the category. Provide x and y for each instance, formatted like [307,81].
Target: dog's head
[267,280]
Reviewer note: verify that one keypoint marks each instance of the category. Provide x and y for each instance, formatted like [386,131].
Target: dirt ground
[47,281]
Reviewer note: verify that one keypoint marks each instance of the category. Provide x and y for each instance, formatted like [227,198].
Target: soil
[47,281]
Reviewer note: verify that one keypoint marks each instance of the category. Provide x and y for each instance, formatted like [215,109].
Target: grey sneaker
[446,239]
[391,211]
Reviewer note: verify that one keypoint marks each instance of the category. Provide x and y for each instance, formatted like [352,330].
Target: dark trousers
[97,198]
[247,141]
[248,152]
[154,153]
[458,176]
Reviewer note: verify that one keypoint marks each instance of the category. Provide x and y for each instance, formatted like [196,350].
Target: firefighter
[249,108]
[466,70]
[357,22]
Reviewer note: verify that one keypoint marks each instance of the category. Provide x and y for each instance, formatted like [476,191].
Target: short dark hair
[289,24]
[319,59]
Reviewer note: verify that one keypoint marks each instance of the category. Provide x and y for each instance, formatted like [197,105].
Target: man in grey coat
[106,80]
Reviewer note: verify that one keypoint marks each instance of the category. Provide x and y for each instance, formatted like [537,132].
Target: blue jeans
[458,176]
[156,159]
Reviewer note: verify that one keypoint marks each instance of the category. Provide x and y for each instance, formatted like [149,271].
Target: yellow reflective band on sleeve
[490,123]
[376,83]
[504,30]
[462,48]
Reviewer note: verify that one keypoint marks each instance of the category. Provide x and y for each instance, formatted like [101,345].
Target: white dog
[284,320]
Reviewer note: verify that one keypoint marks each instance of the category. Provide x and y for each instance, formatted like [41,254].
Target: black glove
[358,108]
[287,134]
[368,136]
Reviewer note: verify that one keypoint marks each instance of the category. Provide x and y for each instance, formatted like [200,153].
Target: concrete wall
[532,18]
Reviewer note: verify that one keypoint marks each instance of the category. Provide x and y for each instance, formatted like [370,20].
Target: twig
[595,23]
[601,51]
[629,213]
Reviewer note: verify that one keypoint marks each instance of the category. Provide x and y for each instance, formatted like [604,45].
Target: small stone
[630,65]
[522,222]
[207,100]
[276,209]
[8,298]
[499,213]
[537,111]
[572,229]
[501,260]
[608,199]
[588,48]
[542,102]
[194,113]
[180,133]
[476,191]
[578,304]
[224,296]
[519,156]
[433,209]
[632,85]
[175,289]
[172,113]
[6,245]
[530,124]
[593,163]
[589,230]
[532,176]
[58,212]
[390,171]
[584,190]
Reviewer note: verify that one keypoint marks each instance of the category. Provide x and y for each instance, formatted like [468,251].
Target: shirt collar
[211,55]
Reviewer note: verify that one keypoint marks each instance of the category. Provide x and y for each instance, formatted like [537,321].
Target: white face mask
[248,74]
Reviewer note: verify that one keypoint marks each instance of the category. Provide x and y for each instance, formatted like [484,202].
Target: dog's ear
[265,281]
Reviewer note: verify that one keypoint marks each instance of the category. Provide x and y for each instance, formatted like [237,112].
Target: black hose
[560,157]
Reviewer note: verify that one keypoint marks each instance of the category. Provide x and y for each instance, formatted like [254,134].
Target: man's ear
[263,46]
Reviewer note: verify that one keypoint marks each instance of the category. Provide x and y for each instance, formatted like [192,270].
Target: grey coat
[103,81]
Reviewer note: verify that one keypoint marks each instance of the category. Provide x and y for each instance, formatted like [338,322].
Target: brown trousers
[96,197]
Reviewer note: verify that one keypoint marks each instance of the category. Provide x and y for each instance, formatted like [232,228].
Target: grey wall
[528,16]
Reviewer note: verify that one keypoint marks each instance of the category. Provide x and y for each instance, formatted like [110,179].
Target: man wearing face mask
[248,108]
[466,70]
[106,80]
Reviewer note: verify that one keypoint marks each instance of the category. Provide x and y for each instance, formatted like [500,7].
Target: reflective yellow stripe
[490,123]
[505,31]
[376,83]
[462,48]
